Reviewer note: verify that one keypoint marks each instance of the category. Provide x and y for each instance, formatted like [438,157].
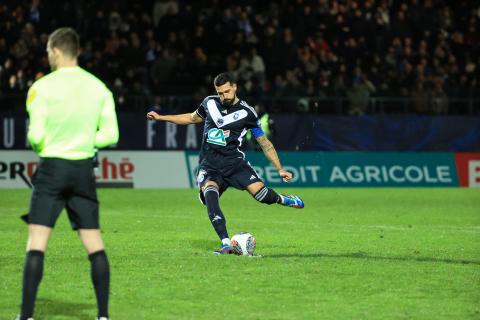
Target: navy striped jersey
[224,131]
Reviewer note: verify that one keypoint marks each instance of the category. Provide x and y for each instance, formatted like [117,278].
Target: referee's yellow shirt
[71,113]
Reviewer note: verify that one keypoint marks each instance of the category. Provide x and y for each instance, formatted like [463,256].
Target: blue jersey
[224,131]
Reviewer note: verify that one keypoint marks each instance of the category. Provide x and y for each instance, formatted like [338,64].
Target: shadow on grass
[363,255]
[47,308]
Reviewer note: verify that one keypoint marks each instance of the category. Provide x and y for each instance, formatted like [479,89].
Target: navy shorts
[60,183]
[240,178]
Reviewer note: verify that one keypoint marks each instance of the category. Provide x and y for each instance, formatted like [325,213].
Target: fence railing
[303,104]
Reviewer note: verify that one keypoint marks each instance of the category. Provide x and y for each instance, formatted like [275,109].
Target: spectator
[359,93]
[276,47]
[438,99]
[419,98]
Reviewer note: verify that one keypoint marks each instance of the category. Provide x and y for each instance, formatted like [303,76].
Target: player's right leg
[211,192]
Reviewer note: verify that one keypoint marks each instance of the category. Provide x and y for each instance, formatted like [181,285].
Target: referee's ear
[57,52]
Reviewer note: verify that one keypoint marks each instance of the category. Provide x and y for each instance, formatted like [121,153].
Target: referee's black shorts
[70,184]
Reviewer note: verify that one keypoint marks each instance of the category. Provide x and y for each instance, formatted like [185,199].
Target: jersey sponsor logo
[220,120]
[218,136]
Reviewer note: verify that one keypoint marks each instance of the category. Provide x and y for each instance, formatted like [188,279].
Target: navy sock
[32,275]
[214,212]
[267,196]
[100,273]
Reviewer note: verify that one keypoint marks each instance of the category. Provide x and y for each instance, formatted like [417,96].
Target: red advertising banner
[468,168]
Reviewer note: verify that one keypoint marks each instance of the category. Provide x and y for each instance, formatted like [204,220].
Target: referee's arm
[36,108]
[107,133]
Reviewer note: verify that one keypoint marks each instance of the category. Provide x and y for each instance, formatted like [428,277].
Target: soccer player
[222,164]
[71,113]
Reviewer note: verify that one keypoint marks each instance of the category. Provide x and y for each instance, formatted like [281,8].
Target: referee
[71,113]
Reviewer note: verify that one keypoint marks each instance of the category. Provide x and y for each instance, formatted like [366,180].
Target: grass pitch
[350,254]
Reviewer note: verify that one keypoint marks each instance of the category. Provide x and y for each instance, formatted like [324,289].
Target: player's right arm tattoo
[269,151]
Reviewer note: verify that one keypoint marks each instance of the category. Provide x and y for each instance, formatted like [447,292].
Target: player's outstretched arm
[185,118]
[272,156]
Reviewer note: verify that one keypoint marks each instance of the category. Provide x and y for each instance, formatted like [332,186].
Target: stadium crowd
[427,51]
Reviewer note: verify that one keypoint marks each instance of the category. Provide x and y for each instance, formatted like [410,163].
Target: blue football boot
[292,201]
[226,249]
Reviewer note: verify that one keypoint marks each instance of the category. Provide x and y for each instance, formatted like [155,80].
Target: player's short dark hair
[66,40]
[223,78]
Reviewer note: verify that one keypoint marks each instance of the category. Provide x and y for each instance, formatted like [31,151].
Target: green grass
[350,254]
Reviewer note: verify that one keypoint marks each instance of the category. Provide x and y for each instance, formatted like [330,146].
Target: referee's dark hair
[223,78]
[66,40]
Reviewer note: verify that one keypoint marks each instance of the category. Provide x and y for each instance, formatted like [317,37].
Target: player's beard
[228,102]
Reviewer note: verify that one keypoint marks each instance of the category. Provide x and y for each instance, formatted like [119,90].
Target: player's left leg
[263,194]
[246,178]
[268,196]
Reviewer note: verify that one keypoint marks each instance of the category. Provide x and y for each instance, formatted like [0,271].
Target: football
[244,243]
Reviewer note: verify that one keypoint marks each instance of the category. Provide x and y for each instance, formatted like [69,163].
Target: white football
[244,243]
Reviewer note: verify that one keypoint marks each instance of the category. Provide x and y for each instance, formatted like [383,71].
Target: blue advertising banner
[136,133]
[300,132]
[397,133]
[354,169]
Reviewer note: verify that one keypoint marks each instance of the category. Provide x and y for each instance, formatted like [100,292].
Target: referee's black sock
[32,275]
[100,272]
[214,212]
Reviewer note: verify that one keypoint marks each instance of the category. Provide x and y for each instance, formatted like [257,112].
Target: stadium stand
[424,55]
